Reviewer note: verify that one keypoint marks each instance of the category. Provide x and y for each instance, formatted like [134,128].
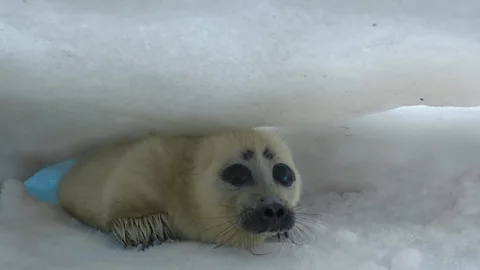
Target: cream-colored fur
[177,179]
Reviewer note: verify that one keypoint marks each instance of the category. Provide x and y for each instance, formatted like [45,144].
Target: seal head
[250,187]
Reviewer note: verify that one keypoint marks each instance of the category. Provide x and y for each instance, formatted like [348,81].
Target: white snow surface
[395,190]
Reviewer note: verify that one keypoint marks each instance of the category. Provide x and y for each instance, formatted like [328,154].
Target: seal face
[269,214]
[234,188]
[255,183]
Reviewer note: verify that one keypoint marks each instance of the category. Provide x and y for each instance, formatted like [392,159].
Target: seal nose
[274,213]
[270,215]
[273,210]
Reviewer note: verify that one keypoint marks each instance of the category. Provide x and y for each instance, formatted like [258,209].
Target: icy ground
[408,178]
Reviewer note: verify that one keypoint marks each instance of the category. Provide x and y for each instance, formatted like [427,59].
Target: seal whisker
[221,217]
[299,211]
[273,137]
[232,234]
[299,207]
[308,220]
[299,226]
[253,137]
[250,248]
[301,236]
[229,222]
[293,235]
[238,140]
[307,217]
[224,232]
[310,214]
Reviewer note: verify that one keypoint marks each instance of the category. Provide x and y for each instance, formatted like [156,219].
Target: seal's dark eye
[283,175]
[237,175]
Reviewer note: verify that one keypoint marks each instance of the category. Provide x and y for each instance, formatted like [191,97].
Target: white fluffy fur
[175,180]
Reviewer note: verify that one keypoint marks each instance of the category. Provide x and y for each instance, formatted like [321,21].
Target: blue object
[44,183]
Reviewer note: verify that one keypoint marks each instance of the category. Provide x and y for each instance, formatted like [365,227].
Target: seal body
[234,188]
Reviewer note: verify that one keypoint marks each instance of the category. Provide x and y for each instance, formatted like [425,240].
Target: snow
[394,190]
[93,69]
[407,259]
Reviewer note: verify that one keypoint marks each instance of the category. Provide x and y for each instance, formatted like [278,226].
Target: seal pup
[231,188]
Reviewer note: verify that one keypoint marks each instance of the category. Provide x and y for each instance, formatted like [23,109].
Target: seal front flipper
[142,231]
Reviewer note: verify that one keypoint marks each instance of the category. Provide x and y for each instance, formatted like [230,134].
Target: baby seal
[232,188]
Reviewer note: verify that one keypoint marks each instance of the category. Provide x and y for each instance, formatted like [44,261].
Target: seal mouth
[278,231]
[263,219]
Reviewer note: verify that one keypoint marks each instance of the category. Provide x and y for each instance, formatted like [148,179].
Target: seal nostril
[280,212]
[269,212]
